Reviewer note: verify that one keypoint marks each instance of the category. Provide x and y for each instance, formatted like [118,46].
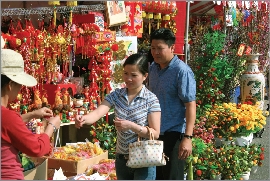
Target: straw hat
[12,65]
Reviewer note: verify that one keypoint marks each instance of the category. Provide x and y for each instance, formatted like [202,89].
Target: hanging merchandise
[11,41]
[98,20]
[123,47]
[134,15]
[45,48]
[116,13]
[253,82]
[149,13]
[162,12]
[53,3]
[71,3]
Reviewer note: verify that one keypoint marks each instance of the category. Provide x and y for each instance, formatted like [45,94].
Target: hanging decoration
[134,15]
[116,13]
[54,3]
[162,12]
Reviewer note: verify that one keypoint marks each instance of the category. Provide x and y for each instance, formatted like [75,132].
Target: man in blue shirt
[173,83]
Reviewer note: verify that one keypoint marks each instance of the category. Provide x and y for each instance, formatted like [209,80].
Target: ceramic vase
[253,81]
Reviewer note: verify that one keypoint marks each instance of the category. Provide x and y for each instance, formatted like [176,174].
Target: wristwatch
[188,136]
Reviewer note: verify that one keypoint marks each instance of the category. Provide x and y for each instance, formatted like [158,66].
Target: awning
[213,7]
[202,8]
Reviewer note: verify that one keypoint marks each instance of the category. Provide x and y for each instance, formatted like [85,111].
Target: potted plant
[235,120]
[257,156]
[195,160]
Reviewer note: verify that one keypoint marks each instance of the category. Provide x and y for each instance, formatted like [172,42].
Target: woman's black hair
[138,59]
[4,80]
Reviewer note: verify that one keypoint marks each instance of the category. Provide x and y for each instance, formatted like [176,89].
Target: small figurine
[58,103]
[45,99]
[86,93]
[66,101]
[78,100]
[37,100]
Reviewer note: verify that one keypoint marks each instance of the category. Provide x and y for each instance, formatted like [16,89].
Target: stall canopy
[202,7]
[214,7]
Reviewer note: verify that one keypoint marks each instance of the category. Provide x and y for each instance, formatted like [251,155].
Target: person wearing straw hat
[15,136]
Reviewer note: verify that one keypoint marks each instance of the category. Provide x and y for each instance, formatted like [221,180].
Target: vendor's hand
[122,124]
[185,149]
[56,121]
[79,121]
[43,112]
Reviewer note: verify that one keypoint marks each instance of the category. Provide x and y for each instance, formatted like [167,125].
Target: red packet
[241,49]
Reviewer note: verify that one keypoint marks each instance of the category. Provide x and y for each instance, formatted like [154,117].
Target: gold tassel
[71,3]
[54,17]
[158,18]
[143,14]
[149,16]
[70,17]
[54,3]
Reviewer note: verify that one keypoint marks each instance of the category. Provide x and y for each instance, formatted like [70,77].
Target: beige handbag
[146,153]
[116,13]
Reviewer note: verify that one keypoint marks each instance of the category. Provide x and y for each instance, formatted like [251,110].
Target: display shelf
[65,124]
[49,10]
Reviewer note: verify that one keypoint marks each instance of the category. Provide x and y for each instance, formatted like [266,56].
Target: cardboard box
[76,167]
[38,173]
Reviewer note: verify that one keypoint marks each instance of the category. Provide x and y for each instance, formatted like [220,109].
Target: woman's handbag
[146,153]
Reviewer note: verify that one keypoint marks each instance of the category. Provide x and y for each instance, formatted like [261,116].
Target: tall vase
[253,81]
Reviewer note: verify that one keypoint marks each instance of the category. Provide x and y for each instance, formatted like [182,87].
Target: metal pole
[187,28]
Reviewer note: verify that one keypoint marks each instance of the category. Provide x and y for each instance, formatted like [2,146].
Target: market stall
[76,49]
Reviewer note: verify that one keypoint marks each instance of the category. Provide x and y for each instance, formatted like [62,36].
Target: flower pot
[254,169]
[245,176]
[253,82]
[222,141]
[244,140]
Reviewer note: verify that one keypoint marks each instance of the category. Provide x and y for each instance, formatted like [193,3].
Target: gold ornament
[117,75]
[71,3]
[53,3]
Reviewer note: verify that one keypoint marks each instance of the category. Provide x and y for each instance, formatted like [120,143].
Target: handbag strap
[151,135]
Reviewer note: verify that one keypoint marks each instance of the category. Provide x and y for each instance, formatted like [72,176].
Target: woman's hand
[122,125]
[79,121]
[54,124]
[56,121]
[43,112]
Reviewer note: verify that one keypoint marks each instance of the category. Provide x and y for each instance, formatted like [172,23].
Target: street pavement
[263,172]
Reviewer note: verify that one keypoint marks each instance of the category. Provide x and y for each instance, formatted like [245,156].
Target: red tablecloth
[51,88]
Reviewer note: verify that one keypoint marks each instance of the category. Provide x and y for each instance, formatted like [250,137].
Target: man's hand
[185,148]
[79,121]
